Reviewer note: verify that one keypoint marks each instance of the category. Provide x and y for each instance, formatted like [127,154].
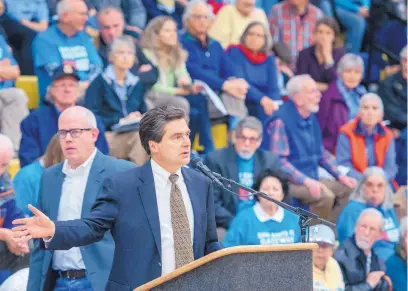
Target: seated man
[295,137]
[111,24]
[8,212]
[41,125]
[207,61]
[326,271]
[361,268]
[293,23]
[397,264]
[231,21]
[13,101]
[364,142]
[242,162]
[393,92]
[65,43]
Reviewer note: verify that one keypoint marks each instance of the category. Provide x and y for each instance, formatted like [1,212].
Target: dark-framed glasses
[75,132]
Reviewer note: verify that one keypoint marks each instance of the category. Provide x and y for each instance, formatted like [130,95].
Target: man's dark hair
[153,122]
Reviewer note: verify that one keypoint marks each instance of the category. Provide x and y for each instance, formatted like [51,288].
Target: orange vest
[358,147]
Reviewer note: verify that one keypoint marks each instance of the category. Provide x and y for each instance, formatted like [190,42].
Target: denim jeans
[355,25]
[200,121]
[81,284]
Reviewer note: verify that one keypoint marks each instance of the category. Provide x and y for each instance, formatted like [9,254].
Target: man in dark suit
[241,162]
[141,207]
[68,191]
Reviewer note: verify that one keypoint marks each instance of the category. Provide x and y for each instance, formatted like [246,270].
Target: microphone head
[195,162]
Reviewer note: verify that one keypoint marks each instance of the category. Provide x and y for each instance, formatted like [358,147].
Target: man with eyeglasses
[40,126]
[68,191]
[360,265]
[241,162]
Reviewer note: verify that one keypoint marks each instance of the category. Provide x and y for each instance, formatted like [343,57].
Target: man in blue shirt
[13,101]
[66,44]
[241,162]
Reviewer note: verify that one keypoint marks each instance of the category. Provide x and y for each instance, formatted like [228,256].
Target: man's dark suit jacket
[127,206]
[224,162]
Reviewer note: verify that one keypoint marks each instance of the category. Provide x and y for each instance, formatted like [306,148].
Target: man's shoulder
[49,35]
[53,170]
[117,165]
[218,156]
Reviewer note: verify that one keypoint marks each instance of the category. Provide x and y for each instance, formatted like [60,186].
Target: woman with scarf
[340,103]
[258,68]
[373,191]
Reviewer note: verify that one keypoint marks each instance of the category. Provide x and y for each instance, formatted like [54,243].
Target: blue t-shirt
[31,10]
[53,49]
[5,53]
[246,178]
[248,229]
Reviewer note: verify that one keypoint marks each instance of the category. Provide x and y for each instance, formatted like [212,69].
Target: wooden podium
[277,267]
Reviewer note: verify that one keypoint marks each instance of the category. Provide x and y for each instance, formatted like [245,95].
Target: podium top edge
[226,252]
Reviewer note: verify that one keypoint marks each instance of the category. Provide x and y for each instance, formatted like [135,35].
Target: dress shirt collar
[263,216]
[130,79]
[82,169]
[161,176]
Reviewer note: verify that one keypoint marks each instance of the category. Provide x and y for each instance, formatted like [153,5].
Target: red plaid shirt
[289,27]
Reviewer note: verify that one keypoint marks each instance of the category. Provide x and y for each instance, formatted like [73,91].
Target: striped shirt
[293,29]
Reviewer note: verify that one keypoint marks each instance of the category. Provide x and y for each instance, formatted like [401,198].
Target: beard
[363,244]
[246,155]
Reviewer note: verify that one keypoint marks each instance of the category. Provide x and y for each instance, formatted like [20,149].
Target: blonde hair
[175,57]
[53,155]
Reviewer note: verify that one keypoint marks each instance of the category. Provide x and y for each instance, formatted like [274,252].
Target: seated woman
[397,264]
[116,96]
[371,192]
[161,46]
[365,142]
[258,69]
[265,223]
[320,60]
[340,102]
[26,183]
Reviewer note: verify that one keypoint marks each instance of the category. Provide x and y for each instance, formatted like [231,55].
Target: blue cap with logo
[64,71]
[321,233]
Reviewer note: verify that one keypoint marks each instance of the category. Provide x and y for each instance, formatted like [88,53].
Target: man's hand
[135,29]
[373,278]
[236,87]
[38,226]
[348,181]
[314,187]
[144,68]
[13,244]
[268,105]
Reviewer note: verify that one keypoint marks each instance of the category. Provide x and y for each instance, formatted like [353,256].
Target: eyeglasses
[251,140]
[200,17]
[75,132]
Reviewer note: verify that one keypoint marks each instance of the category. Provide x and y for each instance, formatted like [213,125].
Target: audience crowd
[308,123]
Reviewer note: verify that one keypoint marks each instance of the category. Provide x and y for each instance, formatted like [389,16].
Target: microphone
[198,164]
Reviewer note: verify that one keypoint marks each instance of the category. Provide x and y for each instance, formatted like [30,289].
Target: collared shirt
[162,186]
[279,145]
[70,207]
[120,90]
[294,30]
[31,10]
[263,216]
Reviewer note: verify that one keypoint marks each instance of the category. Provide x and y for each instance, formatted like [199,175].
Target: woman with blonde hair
[26,183]
[161,46]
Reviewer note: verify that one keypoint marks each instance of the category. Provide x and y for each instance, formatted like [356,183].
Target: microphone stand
[305,217]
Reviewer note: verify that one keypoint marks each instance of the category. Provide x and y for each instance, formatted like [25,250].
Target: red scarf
[255,58]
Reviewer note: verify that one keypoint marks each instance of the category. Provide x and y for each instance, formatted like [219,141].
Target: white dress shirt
[162,186]
[70,207]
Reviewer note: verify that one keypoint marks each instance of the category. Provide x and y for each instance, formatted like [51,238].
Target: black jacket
[352,262]
[224,162]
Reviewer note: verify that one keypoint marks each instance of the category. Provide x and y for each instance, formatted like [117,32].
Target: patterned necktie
[183,248]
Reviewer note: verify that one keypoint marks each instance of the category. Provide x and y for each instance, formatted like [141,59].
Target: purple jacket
[333,114]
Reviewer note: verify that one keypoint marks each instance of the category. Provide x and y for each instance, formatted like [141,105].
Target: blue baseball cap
[64,71]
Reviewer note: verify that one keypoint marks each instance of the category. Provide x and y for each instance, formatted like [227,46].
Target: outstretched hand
[38,226]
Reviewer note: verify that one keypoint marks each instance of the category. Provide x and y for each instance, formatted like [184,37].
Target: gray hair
[295,84]
[267,37]
[108,9]
[153,122]
[249,122]
[6,143]
[372,96]
[63,7]
[372,212]
[349,61]
[190,6]
[124,40]
[403,227]
[403,53]
[358,194]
